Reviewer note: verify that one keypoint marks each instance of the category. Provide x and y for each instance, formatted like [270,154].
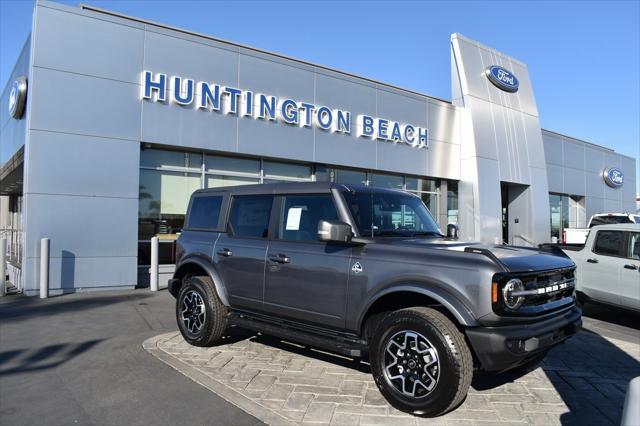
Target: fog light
[510,287]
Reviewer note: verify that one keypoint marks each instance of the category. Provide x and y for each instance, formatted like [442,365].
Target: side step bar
[335,344]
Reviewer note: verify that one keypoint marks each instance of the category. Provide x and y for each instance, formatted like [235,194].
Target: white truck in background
[608,266]
[578,236]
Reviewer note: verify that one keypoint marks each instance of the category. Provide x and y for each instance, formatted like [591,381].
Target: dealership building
[110,122]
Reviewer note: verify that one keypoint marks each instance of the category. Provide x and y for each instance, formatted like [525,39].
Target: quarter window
[609,243]
[301,214]
[634,245]
[205,212]
[250,216]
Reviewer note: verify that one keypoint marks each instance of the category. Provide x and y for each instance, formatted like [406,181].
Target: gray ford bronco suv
[364,271]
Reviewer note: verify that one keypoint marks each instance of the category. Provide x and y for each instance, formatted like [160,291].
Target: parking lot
[80,359]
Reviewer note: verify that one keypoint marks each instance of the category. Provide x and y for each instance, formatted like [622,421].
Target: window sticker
[293,218]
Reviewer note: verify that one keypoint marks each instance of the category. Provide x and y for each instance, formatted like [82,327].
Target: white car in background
[608,266]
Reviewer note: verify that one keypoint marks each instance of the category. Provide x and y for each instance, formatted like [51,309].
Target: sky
[583,56]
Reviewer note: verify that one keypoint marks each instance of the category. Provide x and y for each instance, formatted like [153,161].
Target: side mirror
[334,231]
[452,231]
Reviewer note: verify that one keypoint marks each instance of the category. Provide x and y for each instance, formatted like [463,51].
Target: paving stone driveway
[580,382]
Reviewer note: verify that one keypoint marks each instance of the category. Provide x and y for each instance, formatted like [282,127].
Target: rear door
[306,280]
[601,268]
[240,253]
[630,273]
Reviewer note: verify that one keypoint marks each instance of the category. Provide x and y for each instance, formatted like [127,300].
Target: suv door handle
[632,267]
[225,252]
[281,258]
[592,260]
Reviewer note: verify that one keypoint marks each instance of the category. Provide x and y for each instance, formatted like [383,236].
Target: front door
[601,266]
[240,254]
[306,280]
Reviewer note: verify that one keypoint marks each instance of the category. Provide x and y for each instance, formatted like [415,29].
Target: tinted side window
[634,245]
[300,216]
[609,243]
[250,216]
[205,212]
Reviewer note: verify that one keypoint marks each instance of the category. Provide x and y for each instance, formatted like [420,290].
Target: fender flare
[452,303]
[211,273]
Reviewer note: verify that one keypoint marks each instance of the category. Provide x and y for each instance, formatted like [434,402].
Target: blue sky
[583,57]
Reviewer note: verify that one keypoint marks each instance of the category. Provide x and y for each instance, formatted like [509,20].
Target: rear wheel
[420,361]
[199,312]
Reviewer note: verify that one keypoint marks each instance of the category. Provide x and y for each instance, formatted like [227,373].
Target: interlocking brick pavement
[580,382]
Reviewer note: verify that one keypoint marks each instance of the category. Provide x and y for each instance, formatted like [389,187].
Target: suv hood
[513,258]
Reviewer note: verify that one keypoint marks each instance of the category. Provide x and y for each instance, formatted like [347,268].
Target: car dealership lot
[80,358]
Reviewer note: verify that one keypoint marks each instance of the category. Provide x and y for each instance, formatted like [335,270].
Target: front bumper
[505,347]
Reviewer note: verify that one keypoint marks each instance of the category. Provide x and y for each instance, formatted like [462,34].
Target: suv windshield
[379,213]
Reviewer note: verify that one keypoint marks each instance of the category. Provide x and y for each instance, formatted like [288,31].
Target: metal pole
[154,264]
[3,266]
[44,268]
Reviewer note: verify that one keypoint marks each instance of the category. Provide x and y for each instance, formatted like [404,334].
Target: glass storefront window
[430,199]
[353,177]
[418,184]
[275,172]
[559,209]
[13,231]
[452,202]
[217,181]
[386,181]
[158,158]
[164,197]
[217,163]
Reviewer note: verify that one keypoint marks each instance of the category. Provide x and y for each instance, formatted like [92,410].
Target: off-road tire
[455,369]
[214,324]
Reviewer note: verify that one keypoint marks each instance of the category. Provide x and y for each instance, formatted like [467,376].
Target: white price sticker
[293,218]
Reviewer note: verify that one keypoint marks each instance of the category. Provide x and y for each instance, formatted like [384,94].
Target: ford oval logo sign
[613,177]
[18,97]
[502,79]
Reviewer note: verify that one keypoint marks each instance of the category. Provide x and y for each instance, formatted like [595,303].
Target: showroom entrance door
[515,214]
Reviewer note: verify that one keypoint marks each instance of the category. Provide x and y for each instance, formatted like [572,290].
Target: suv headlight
[510,301]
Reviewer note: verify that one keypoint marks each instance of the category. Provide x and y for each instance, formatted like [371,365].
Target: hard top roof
[291,188]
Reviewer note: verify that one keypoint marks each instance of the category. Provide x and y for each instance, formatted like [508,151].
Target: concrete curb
[228,394]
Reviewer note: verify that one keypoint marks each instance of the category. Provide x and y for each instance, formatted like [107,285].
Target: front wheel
[200,313]
[420,361]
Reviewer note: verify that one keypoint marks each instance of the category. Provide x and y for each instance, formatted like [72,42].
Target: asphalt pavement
[78,359]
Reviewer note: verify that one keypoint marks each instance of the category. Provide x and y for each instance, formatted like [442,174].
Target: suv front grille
[543,292]
[548,287]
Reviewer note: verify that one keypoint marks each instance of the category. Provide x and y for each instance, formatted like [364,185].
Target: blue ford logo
[18,97]
[613,177]
[502,79]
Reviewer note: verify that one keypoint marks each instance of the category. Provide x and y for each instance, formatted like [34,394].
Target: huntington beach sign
[211,97]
